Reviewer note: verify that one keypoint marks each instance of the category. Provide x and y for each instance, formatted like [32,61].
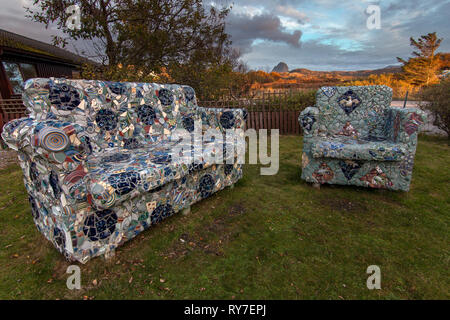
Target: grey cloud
[245,29]
[289,11]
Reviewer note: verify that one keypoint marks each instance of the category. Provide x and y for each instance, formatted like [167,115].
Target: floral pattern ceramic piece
[358,139]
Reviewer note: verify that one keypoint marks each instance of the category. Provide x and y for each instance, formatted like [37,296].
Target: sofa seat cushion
[118,175]
[357,149]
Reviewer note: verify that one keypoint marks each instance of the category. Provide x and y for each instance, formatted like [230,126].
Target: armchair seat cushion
[119,175]
[357,149]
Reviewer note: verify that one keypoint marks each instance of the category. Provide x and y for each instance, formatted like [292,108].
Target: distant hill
[353,74]
[281,67]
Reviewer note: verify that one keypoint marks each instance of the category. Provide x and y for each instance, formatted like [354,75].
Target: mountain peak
[281,67]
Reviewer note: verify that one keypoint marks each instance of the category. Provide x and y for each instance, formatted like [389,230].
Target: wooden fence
[274,110]
[10,109]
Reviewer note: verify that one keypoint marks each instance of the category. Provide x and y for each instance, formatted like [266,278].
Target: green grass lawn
[271,237]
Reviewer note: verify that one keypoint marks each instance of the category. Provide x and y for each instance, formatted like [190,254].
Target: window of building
[18,73]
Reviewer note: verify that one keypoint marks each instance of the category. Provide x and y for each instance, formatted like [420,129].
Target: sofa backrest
[356,111]
[115,114]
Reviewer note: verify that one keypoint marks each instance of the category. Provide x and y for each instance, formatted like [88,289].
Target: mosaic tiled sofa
[353,137]
[98,164]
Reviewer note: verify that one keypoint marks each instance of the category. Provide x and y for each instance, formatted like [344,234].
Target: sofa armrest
[308,120]
[225,118]
[63,144]
[52,155]
[403,124]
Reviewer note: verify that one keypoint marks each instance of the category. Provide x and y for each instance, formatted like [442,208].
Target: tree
[422,68]
[148,34]
[224,77]
[180,41]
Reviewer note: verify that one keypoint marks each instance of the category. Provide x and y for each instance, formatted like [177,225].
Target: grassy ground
[271,237]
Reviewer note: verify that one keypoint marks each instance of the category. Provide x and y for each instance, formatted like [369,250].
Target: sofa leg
[186,211]
[109,255]
[316,185]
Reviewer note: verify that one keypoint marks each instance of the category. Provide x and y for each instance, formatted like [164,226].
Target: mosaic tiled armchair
[98,159]
[353,137]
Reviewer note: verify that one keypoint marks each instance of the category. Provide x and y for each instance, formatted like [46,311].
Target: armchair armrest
[226,118]
[403,124]
[63,144]
[308,120]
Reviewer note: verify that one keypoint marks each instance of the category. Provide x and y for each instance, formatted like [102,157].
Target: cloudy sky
[318,35]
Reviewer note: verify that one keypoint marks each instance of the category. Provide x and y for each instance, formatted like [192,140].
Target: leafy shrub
[437,101]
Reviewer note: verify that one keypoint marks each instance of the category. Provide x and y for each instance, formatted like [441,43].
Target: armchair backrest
[115,114]
[357,111]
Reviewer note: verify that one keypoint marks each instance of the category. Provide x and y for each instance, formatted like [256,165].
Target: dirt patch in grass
[209,239]
[236,209]
[7,158]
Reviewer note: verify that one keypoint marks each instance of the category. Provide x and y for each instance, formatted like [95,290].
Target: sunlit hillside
[298,79]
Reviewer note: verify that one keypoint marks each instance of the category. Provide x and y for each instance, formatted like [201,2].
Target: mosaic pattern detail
[98,159]
[206,185]
[406,166]
[348,131]
[189,93]
[227,120]
[349,101]
[328,91]
[165,96]
[357,149]
[60,239]
[349,168]
[53,139]
[161,212]
[188,124]
[100,225]
[376,178]
[413,124]
[64,97]
[106,120]
[146,114]
[323,174]
[370,144]
[307,122]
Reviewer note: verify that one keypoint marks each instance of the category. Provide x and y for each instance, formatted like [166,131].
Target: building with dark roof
[22,58]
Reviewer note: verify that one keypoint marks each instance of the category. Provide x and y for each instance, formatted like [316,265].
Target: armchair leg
[186,211]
